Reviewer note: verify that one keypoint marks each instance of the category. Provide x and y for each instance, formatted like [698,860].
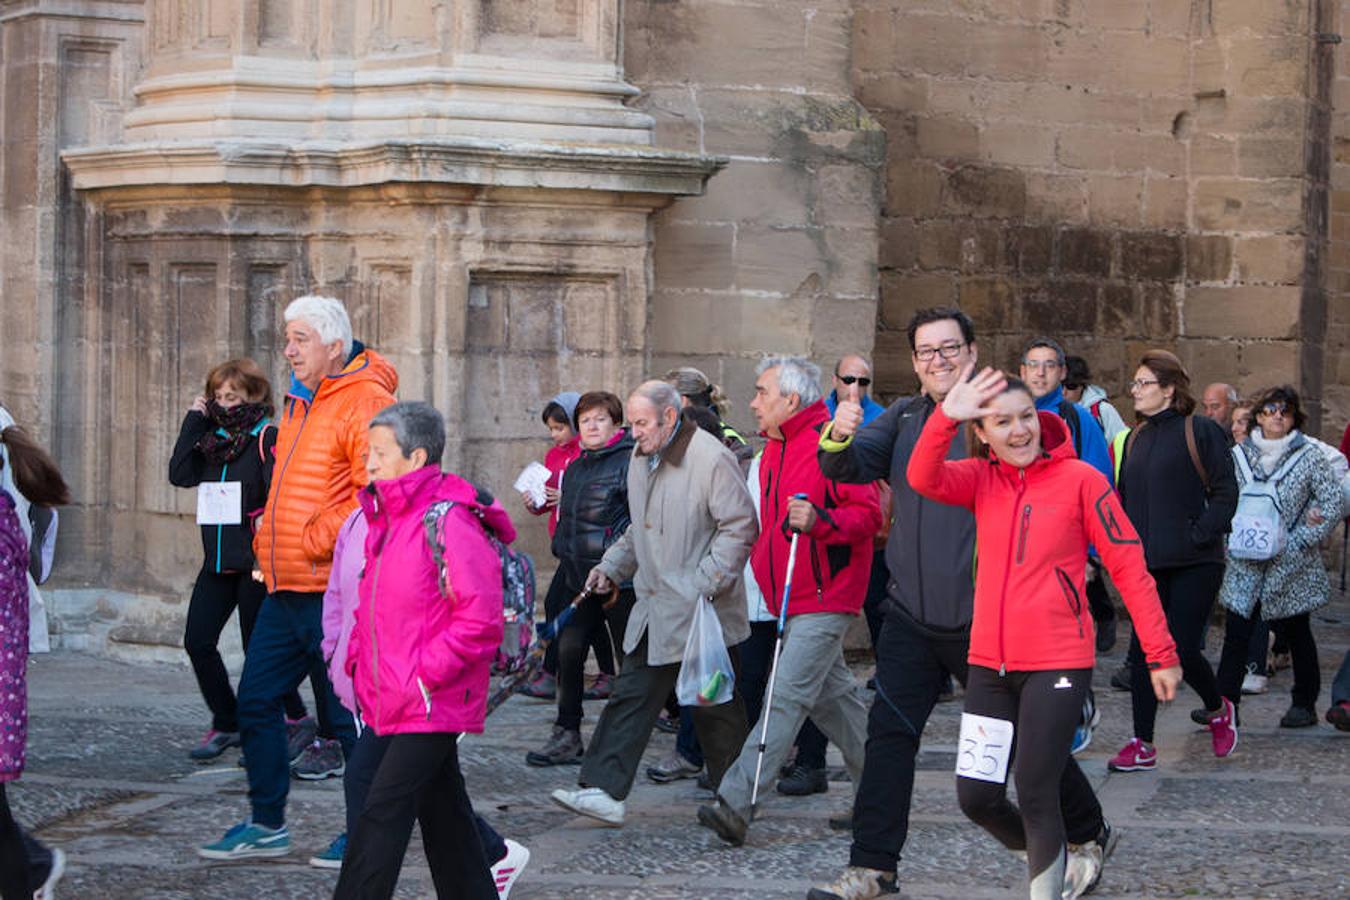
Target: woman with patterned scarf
[224,450]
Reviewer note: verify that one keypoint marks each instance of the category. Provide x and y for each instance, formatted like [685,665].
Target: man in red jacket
[836,523]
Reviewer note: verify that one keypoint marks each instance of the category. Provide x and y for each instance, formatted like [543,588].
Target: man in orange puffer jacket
[337,386]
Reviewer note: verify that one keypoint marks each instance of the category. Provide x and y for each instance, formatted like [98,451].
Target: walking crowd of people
[979,526]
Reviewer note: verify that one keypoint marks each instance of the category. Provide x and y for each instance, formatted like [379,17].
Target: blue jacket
[871,408]
[1086,433]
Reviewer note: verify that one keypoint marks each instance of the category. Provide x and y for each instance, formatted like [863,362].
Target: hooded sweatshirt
[1033,529]
[1094,400]
[559,457]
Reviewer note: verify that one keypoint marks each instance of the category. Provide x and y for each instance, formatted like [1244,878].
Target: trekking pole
[546,633]
[1345,546]
[767,705]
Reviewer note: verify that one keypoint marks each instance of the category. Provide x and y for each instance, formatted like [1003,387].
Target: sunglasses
[862,380]
[1275,409]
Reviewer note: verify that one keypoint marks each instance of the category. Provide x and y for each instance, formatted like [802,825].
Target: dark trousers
[1045,708]
[874,603]
[417,777]
[911,667]
[356,780]
[591,626]
[626,724]
[560,593]
[284,648]
[14,862]
[1099,599]
[1340,685]
[214,598]
[1296,630]
[1187,596]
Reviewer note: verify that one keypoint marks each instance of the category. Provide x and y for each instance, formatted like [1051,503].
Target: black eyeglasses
[948,351]
[863,380]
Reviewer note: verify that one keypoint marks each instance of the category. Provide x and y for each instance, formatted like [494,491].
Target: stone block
[847,196]
[914,188]
[1158,311]
[1224,204]
[1066,105]
[873,38]
[1241,312]
[1008,51]
[1116,310]
[1113,15]
[986,192]
[1012,144]
[936,44]
[1263,364]
[957,97]
[1136,152]
[694,255]
[1261,157]
[1084,251]
[1150,256]
[851,263]
[1060,307]
[1059,199]
[943,138]
[678,123]
[1031,248]
[1209,66]
[898,244]
[778,259]
[1085,148]
[892,363]
[1250,116]
[1153,65]
[1209,257]
[828,51]
[904,92]
[904,293]
[940,244]
[1268,67]
[1213,155]
[1259,17]
[840,326]
[1273,259]
[990,302]
[1172,19]
[1082,59]
[1115,200]
[763,192]
[1166,201]
[717,44]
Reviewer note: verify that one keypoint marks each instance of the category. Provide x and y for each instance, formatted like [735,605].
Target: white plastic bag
[706,677]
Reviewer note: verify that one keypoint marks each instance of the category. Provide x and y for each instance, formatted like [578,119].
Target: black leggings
[591,625]
[560,593]
[214,598]
[1187,596]
[1296,631]
[1044,708]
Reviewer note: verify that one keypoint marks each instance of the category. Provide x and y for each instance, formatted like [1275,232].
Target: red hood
[1055,444]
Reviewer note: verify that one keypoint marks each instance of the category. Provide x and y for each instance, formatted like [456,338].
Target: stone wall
[779,256]
[1117,175]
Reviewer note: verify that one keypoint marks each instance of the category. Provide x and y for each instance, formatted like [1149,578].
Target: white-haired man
[337,386]
[833,524]
[693,524]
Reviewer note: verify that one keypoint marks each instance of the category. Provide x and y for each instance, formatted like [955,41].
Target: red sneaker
[1136,756]
[1339,715]
[1223,732]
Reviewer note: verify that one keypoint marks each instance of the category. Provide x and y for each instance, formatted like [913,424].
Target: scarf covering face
[234,426]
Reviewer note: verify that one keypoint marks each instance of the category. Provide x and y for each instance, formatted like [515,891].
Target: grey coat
[693,523]
[1295,582]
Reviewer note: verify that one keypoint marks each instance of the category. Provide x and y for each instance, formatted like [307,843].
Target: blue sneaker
[332,857]
[1082,735]
[248,841]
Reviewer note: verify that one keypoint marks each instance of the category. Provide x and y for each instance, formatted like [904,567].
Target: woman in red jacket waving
[1037,510]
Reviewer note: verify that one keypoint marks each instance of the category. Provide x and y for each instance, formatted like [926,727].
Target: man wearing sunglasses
[854,373]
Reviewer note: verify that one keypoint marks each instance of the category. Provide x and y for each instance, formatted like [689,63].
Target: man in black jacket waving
[926,630]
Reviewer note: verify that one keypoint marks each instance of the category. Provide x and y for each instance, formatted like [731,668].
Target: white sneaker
[1082,868]
[48,889]
[1254,684]
[591,802]
[509,867]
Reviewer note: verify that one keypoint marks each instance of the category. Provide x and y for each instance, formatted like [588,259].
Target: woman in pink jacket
[426,627]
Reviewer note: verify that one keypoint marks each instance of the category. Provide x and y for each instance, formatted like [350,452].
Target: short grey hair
[796,375]
[661,394]
[326,315]
[415,425]
[1048,344]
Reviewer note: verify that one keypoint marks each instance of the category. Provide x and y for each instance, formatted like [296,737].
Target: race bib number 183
[984,748]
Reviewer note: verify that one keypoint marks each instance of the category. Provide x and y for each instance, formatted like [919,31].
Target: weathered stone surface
[1245,312]
[1271,260]
[1209,257]
[1151,256]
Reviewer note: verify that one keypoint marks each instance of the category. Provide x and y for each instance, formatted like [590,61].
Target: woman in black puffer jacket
[592,515]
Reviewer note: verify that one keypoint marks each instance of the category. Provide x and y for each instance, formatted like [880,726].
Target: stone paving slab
[109,781]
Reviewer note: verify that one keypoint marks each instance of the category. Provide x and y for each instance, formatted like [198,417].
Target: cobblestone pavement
[109,780]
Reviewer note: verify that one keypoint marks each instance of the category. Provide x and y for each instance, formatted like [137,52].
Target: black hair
[1076,372]
[938,314]
[554,412]
[704,417]
[1285,394]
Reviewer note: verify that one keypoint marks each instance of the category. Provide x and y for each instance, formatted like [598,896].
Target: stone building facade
[515,197]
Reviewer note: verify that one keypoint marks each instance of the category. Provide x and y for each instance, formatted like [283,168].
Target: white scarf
[1271,448]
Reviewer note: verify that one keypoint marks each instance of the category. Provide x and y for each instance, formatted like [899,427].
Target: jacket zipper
[374,641]
[276,479]
[1071,597]
[220,528]
[1022,538]
[1007,571]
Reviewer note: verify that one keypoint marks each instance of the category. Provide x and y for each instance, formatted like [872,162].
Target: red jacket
[556,460]
[1033,529]
[834,559]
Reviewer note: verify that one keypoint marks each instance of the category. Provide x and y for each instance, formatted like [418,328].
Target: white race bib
[1255,537]
[220,503]
[983,750]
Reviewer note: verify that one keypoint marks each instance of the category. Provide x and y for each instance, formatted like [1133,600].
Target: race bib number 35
[984,748]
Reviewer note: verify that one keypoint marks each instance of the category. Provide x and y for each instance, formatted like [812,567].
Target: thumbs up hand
[848,414]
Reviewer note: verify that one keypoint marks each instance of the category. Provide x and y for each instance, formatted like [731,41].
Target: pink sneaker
[1223,732]
[1136,756]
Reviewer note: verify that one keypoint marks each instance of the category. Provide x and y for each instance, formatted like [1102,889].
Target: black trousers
[214,599]
[1296,630]
[560,593]
[911,667]
[418,778]
[591,626]
[1187,596]
[360,773]
[626,724]
[1045,708]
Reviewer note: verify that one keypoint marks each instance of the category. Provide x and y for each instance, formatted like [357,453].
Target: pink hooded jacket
[339,602]
[418,659]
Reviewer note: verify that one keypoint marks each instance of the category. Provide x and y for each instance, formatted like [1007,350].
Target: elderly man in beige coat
[693,523]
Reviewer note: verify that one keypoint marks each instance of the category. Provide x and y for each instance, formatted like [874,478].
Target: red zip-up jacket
[834,559]
[1033,527]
